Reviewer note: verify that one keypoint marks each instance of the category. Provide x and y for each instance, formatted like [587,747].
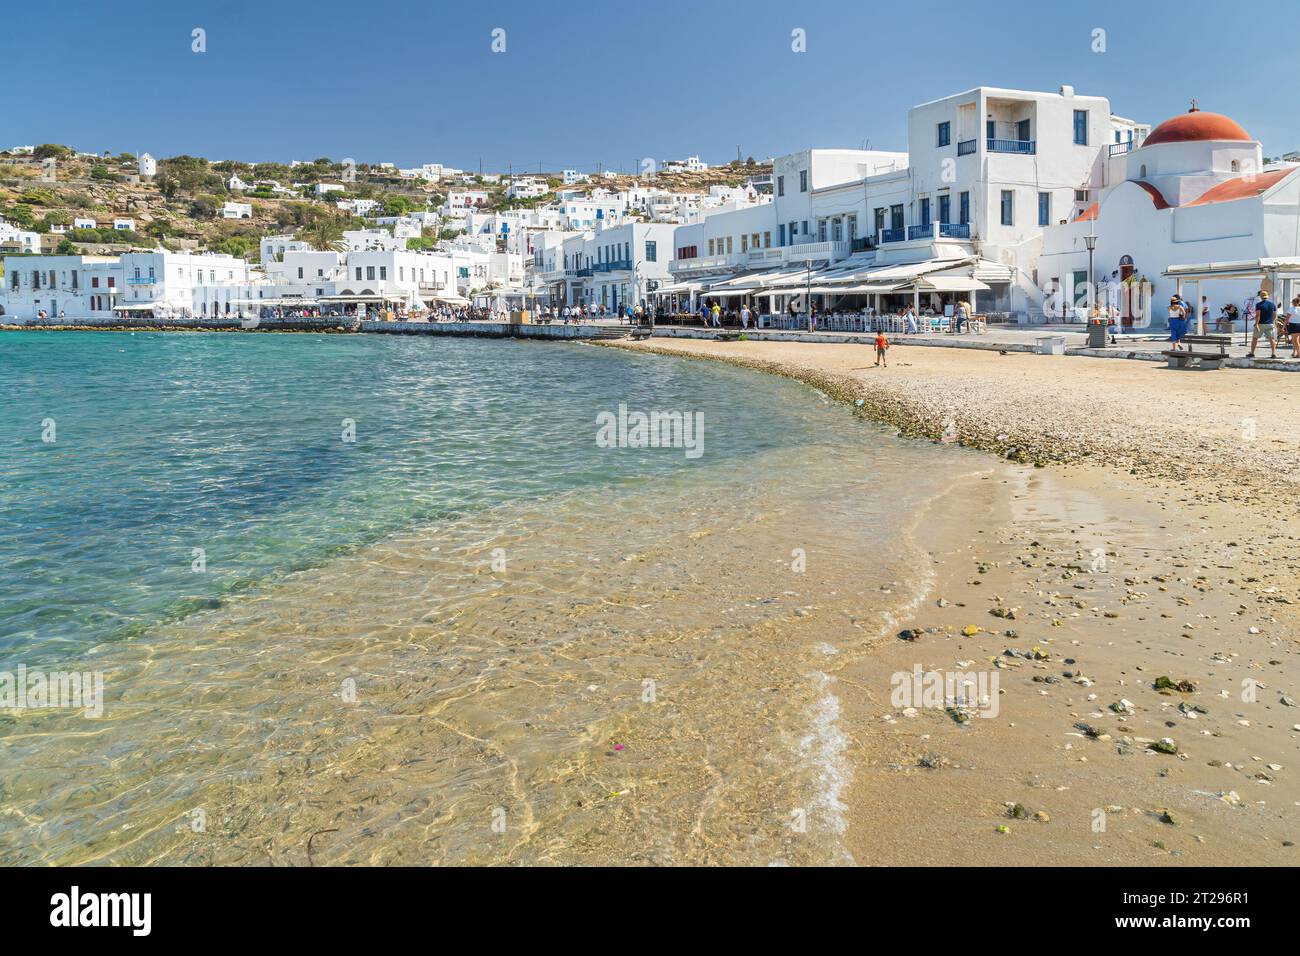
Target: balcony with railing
[930,232]
[616,265]
[830,250]
[966,147]
[700,264]
[1119,149]
[1026,147]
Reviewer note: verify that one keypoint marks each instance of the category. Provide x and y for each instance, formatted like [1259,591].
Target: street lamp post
[808,293]
[1090,240]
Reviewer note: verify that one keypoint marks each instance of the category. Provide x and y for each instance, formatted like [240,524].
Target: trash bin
[1051,345]
[1096,335]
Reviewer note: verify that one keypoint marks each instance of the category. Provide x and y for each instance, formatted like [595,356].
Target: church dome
[1195,126]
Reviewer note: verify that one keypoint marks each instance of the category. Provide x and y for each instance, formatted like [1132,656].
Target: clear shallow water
[233,444]
[482,693]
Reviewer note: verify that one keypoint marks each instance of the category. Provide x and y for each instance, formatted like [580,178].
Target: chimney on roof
[1067,90]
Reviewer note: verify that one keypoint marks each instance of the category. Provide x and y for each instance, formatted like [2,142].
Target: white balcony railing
[801,252]
[699,263]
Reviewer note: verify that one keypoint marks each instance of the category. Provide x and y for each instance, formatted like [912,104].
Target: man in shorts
[1265,324]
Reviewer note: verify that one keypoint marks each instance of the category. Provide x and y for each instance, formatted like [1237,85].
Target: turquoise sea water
[234,444]
[642,678]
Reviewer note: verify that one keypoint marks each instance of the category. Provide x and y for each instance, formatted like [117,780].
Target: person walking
[910,318]
[1292,326]
[744,317]
[717,315]
[1177,322]
[1265,324]
[882,346]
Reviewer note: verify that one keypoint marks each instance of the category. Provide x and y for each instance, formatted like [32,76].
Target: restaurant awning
[950,284]
[371,297]
[694,285]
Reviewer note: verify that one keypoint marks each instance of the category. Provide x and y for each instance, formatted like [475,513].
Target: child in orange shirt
[882,345]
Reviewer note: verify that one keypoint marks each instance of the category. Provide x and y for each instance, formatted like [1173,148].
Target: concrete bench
[1213,349]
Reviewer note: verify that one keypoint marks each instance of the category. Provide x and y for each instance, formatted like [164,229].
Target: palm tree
[323,234]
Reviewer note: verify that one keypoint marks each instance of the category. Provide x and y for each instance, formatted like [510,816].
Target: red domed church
[1195,193]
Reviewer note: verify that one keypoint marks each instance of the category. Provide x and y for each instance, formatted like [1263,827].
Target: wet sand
[1153,539]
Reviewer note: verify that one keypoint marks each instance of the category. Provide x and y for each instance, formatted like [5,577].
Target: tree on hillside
[187,175]
[323,234]
[51,151]
[396,205]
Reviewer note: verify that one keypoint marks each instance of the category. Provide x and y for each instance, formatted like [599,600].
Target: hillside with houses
[56,200]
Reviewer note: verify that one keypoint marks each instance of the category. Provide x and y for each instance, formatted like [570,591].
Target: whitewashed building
[157,283]
[12,238]
[986,172]
[1194,191]
[615,266]
[527,188]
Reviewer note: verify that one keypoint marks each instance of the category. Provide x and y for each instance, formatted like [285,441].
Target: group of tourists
[1265,319]
[632,314]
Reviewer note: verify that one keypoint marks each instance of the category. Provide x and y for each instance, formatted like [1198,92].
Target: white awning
[850,289]
[677,288]
[1240,269]
[950,284]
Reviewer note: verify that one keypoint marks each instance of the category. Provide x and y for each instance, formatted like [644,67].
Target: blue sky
[411,82]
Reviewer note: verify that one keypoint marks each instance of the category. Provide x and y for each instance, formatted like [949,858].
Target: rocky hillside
[181,206]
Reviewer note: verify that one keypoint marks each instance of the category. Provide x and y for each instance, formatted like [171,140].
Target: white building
[82,222]
[237,210]
[124,225]
[1193,191]
[359,207]
[617,265]
[323,189]
[147,166]
[691,164]
[460,199]
[154,283]
[527,188]
[588,213]
[236,184]
[18,240]
[572,177]
[986,171]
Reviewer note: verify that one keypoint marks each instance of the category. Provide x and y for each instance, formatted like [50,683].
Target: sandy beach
[1126,568]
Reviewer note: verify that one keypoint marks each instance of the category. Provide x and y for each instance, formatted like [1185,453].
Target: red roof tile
[1243,187]
[1156,196]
